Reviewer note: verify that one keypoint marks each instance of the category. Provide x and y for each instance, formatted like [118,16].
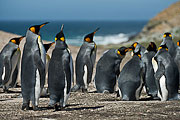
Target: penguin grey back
[130,81]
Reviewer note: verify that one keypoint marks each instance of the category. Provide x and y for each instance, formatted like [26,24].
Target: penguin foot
[106,92]
[5,90]
[25,107]
[75,88]
[36,108]
[84,90]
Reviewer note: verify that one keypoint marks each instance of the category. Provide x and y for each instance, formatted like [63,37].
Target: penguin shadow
[5,100]
[9,92]
[82,108]
[69,109]
[49,108]
[150,99]
[93,92]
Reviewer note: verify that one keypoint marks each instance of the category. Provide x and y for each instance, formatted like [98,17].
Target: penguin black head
[17,40]
[167,35]
[178,43]
[47,46]
[122,51]
[89,38]
[138,54]
[163,47]
[36,28]
[133,46]
[60,36]
[152,47]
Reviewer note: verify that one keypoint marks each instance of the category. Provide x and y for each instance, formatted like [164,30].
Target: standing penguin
[108,70]
[131,80]
[166,75]
[9,63]
[150,84]
[60,72]
[173,49]
[33,67]
[85,61]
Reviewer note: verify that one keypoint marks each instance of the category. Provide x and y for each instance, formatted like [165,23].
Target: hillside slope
[166,21]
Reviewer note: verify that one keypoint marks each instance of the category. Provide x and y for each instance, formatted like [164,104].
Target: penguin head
[60,36]
[137,53]
[89,38]
[152,47]
[178,43]
[167,35]
[17,40]
[47,46]
[122,51]
[163,47]
[36,28]
[133,46]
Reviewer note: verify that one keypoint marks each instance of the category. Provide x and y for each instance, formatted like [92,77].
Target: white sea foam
[102,40]
[111,39]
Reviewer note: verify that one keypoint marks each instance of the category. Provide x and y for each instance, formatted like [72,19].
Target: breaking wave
[103,40]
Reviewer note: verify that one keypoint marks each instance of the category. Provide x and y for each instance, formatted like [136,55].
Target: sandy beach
[86,105]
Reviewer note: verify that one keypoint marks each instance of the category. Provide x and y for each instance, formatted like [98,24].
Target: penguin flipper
[40,66]
[160,71]
[117,70]
[93,55]
[89,69]
[14,77]
[8,68]
[68,74]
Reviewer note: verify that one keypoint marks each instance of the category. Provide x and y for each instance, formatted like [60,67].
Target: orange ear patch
[62,38]
[32,29]
[177,43]
[13,41]
[119,52]
[87,39]
[134,45]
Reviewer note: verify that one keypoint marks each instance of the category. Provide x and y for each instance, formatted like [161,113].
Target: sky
[81,9]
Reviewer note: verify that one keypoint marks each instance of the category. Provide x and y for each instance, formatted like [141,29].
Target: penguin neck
[31,40]
[171,47]
[60,45]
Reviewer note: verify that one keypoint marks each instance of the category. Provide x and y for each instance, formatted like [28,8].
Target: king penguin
[150,83]
[60,72]
[166,74]
[173,49]
[85,61]
[108,70]
[33,67]
[130,81]
[9,63]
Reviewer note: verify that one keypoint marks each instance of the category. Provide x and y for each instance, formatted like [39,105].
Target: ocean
[111,32]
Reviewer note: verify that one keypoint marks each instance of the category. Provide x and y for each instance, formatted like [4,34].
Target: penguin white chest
[164,90]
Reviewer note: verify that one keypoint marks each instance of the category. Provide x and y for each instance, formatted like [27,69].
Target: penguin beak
[21,38]
[130,48]
[127,49]
[95,31]
[62,27]
[43,24]
[52,44]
